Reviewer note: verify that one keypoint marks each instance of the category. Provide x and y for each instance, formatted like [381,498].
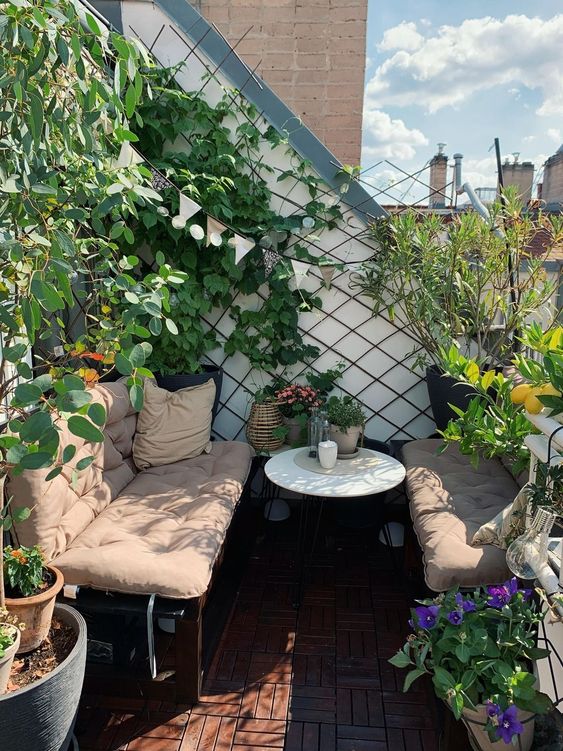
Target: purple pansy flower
[492,709]
[455,617]
[499,596]
[467,605]
[427,616]
[526,593]
[509,724]
[512,585]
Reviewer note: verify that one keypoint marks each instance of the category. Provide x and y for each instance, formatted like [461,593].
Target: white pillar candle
[328,451]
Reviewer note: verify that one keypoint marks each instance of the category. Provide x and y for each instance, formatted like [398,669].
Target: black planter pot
[364,511]
[41,716]
[444,390]
[183,380]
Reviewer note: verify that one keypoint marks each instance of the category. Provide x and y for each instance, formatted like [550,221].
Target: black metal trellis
[406,396]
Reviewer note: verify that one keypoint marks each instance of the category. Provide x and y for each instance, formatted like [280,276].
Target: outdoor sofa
[159,532]
[449,500]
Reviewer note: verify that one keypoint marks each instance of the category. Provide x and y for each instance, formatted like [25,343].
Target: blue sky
[461,73]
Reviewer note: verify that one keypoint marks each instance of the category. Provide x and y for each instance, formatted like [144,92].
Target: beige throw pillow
[173,425]
[506,526]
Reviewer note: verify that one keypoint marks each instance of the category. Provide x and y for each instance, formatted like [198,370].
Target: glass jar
[314,431]
[528,553]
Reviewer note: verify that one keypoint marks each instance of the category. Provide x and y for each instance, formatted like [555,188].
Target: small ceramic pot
[7,660]
[295,431]
[36,612]
[327,453]
[346,439]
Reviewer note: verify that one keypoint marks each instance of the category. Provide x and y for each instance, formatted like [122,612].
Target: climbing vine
[213,154]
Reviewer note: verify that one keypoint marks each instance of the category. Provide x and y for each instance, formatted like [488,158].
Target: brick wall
[311,53]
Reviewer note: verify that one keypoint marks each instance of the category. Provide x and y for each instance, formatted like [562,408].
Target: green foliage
[345,412]
[547,367]
[450,284]
[67,91]
[491,426]
[23,570]
[212,153]
[547,489]
[477,648]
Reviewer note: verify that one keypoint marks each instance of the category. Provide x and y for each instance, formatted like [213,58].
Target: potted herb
[295,404]
[478,650]
[347,420]
[10,634]
[31,588]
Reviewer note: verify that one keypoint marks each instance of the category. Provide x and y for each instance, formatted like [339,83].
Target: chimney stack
[552,188]
[438,179]
[521,176]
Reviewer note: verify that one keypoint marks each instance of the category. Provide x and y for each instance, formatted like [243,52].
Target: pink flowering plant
[478,649]
[296,400]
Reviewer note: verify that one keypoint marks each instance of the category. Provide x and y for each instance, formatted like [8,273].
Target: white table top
[283,471]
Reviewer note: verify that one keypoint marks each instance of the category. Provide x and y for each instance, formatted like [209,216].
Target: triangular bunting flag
[214,232]
[127,156]
[327,272]
[242,247]
[188,207]
[300,269]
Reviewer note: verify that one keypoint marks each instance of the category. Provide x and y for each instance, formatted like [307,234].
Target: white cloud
[554,134]
[482,173]
[447,66]
[388,138]
[529,139]
[402,37]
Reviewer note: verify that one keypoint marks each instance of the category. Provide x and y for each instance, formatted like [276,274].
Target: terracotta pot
[7,660]
[479,738]
[36,612]
[295,432]
[346,439]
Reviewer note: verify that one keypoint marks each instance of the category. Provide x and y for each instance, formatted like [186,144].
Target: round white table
[282,471]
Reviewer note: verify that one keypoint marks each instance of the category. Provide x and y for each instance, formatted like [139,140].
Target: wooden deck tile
[317,679]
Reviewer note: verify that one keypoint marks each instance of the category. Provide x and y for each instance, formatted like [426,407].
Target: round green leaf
[97,413]
[83,428]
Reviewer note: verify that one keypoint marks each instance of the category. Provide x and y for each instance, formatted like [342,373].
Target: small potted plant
[295,404]
[478,650]
[10,633]
[31,589]
[347,420]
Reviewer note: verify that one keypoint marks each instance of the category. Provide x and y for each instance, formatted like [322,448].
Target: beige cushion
[506,526]
[165,530]
[61,511]
[173,425]
[449,501]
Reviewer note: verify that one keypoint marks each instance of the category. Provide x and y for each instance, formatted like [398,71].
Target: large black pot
[183,380]
[444,390]
[41,716]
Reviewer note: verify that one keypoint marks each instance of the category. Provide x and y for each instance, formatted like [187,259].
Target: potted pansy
[478,649]
[295,403]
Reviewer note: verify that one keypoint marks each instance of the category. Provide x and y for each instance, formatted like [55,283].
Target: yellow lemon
[550,390]
[519,393]
[533,404]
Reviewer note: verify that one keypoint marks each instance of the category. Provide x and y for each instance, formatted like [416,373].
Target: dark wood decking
[316,679]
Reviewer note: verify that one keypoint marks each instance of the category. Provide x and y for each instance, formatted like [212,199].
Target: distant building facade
[311,53]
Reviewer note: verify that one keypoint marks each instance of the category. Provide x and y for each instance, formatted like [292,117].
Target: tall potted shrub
[462,284]
[62,277]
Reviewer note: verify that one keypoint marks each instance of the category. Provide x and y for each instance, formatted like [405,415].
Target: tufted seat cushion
[156,531]
[449,500]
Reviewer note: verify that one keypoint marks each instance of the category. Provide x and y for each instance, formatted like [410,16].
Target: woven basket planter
[263,420]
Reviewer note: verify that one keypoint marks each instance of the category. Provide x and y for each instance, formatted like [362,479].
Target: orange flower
[91,355]
[90,376]
[19,556]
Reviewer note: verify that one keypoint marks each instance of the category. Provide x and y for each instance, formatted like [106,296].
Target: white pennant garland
[127,156]
[214,231]
[242,247]
[188,207]
[300,270]
[327,272]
